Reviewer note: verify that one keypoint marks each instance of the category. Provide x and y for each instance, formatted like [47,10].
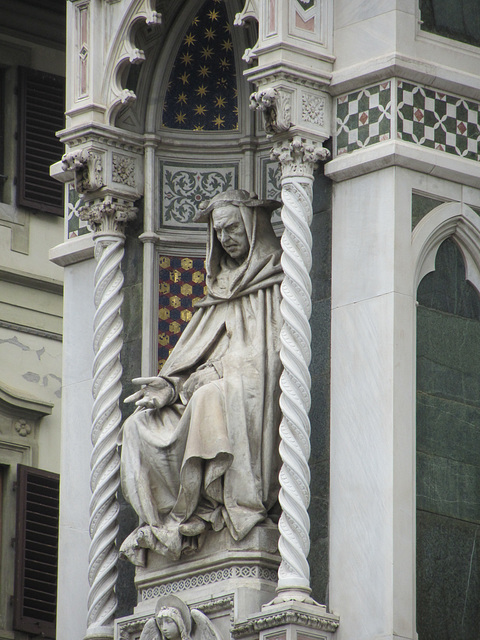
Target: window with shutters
[40,115]
[36,551]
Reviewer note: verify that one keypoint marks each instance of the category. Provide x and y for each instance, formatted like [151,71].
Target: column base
[293,620]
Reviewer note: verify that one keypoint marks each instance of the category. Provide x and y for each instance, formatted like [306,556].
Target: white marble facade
[402,108]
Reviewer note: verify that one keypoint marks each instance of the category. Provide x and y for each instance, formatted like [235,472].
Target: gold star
[209,33]
[184,77]
[224,63]
[199,127]
[190,39]
[195,21]
[180,117]
[182,98]
[219,121]
[235,110]
[200,110]
[227,28]
[207,52]
[227,45]
[204,71]
[201,91]
[213,14]
[235,93]
[220,101]
[186,58]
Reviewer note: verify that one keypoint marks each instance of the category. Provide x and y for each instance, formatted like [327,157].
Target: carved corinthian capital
[108,215]
[276,108]
[298,156]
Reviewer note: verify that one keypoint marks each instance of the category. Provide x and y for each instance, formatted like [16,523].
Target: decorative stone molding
[298,156]
[212,577]
[276,108]
[317,619]
[108,215]
[123,169]
[88,169]
[23,428]
[313,109]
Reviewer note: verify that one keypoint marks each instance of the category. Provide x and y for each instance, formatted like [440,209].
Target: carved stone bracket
[298,156]
[108,215]
[288,622]
[88,169]
[276,107]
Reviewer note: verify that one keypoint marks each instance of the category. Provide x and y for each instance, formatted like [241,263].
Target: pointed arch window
[448,451]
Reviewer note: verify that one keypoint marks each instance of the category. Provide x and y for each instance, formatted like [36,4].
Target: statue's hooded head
[174,609]
[239,228]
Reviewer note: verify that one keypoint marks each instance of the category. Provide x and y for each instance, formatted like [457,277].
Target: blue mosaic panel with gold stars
[202,89]
[181,284]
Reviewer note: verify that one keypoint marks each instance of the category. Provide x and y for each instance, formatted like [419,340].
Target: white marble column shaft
[108,219]
[297,158]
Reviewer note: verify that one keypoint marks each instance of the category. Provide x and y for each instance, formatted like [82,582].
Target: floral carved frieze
[313,109]
[123,170]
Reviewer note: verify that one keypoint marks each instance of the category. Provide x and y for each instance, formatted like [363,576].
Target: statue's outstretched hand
[155,394]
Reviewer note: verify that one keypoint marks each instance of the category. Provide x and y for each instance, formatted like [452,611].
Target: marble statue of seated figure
[200,451]
[174,620]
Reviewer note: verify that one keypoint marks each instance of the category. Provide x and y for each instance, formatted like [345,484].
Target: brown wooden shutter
[41,105]
[36,551]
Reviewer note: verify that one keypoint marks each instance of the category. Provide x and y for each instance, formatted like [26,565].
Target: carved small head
[173,618]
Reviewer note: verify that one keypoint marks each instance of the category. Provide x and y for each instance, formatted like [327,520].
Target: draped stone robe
[216,455]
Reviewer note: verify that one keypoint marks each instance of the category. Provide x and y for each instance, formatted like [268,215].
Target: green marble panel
[421,205]
[448,452]
[448,578]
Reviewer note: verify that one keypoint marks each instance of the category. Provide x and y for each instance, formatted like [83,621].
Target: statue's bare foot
[193,527]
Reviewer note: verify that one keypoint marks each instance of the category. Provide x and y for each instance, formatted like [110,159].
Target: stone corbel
[87,167]
[275,105]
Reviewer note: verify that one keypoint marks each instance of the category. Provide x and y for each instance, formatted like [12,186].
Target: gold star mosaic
[202,89]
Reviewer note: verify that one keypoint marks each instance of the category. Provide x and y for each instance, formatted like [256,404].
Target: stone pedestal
[227,580]
[287,621]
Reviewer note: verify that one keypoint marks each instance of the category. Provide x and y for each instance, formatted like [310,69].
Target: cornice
[318,621]
[412,69]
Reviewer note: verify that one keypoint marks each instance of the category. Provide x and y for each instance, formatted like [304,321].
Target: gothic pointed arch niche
[200,138]
[448,424]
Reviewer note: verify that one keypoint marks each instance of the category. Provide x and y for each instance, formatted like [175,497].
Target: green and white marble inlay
[184,186]
[363,118]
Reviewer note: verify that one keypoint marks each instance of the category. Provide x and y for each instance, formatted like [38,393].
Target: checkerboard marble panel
[181,284]
[438,120]
[363,118]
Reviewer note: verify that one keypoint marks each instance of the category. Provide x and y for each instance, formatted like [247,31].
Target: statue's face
[168,628]
[230,230]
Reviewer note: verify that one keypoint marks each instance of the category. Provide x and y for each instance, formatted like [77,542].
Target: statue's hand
[155,394]
[203,375]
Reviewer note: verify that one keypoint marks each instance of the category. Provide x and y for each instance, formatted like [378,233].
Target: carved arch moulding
[124,52]
[449,220]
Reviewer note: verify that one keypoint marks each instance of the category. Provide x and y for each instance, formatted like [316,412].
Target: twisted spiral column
[107,219]
[297,158]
